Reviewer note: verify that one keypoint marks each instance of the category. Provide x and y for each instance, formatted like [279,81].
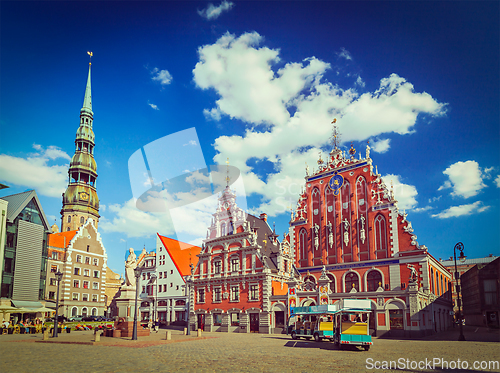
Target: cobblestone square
[233,352]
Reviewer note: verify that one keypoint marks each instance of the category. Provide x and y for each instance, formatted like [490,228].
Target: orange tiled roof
[61,240]
[182,254]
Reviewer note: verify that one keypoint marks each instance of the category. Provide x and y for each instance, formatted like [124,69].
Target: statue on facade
[316,236]
[346,231]
[413,273]
[130,265]
[362,233]
[330,234]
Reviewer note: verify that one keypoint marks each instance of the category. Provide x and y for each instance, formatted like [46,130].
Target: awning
[26,304]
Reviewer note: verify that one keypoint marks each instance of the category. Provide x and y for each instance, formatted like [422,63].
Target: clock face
[84,196]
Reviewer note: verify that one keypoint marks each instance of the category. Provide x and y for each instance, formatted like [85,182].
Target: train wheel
[317,338]
[294,335]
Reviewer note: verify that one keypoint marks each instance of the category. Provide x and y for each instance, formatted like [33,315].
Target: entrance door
[201,321]
[254,323]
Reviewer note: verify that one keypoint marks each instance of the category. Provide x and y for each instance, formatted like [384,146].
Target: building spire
[335,135]
[87,101]
[227,173]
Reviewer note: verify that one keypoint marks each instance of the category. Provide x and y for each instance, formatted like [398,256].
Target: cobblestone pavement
[218,352]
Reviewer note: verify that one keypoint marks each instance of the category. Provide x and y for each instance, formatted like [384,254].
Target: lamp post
[59,276]
[154,295]
[137,273]
[460,247]
[189,282]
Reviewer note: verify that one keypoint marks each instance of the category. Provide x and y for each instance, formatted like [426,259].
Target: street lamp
[189,282]
[154,295]
[137,273]
[460,247]
[59,277]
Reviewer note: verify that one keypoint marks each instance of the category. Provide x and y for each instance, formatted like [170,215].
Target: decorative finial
[90,58]
[352,151]
[320,161]
[335,134]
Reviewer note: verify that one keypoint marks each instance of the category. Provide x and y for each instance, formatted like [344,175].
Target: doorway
[254,323]
[201,321]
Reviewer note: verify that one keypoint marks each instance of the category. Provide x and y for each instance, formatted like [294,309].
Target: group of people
[26,324]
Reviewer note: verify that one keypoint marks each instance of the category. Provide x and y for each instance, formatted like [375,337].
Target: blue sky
[258,83]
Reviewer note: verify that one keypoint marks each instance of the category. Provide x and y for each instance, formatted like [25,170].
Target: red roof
[182,254]
[61,240]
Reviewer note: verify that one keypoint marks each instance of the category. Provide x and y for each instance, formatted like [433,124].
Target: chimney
[263,216]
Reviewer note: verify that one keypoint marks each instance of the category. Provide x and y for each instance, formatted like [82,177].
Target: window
[374,280]
[78,258]
[217,267]
[165,274]
[160,274]
[351,281]
[69,218]
[85,297]
[53,268]
[171,284]
[53,281]
[235,293]
[180,302]
[223,229]
[76,297]
[303,243]
[85,284]
[143,289]
[74,311]
[234,264]
[77,271]
[52,294]
[380,236]
[94,297]
[201,295]
[82,220]
[171,271]
[177,287]
[96,261]
[217,319]
[254,292]
[235,319]
[87,260]
[217,294]
[396,319]
[95,285]
[164,287]
[159,288]
[76,283]
[96,274]
[86,272]
[490,292]
[143,276]
[55,255]
[88,248]
[332,282]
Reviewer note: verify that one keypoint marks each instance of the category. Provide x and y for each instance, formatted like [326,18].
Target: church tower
[80,200]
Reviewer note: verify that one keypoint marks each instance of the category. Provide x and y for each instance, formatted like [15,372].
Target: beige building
[81,257]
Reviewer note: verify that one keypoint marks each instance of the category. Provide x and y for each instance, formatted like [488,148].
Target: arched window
[332,282]
[74,311]
[373,280]
[330,221]
[316,219]
[362,221]
[69,218]
[94,311]
[223,229]
[303,244]
[380,236]
[346,225]
[309,283]
[351,281]
[82,220]
[432,280]
[84,311]
[441,284]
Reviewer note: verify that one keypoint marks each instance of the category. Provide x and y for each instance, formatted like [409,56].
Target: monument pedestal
[125,304]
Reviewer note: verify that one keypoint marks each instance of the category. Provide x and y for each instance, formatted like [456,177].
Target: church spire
[87,100]
[80,201]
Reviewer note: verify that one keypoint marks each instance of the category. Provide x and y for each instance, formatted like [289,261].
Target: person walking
[157,325]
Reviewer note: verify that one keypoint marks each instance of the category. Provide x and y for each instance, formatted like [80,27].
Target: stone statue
[130,265]
[330,234]
[362,233]
[413,273]
[316,236]
[346,231]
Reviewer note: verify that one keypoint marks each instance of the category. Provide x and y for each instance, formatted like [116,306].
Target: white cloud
[162,76]
[497,181]
[34,172]
[455,211]
[155,107]
[381,146]
[465,178]
[422,209]
[289,111]
[405,194]
[345,54]
[212,114]
[212,12]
